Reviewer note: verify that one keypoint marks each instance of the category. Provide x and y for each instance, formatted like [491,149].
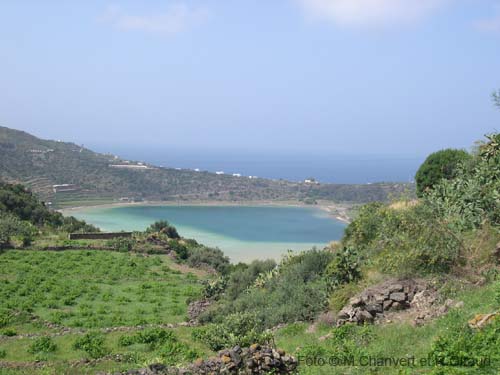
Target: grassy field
[65,295]
[396,340]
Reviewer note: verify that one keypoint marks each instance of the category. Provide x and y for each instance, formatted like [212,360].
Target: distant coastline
[340,212]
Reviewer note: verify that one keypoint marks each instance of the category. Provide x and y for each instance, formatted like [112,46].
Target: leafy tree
[439,165]
[11,226]
[496,98]
[163,226]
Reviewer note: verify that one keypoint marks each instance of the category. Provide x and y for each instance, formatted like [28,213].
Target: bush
[238,329]
[242,278]
[212,257]
[163,226]
[180,249]
[439,165]
[344,268]
[294,291]
[12,227]
[472,348]
[42,344]
[366,227]
[3,353]
[474,195]
[174,352]
[121,244]
[92,343]
[154,337]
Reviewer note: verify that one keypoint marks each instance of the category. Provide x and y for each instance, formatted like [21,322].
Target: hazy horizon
[325,77]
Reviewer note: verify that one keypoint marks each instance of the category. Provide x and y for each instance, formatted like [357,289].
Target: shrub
[92,343]
[212,257]
[439,165]
[154,337]
[471,348]
[9,332]
[163,226]
[12,227]
[242,278]
[42,344]
[238,329]
[214,288]
[121,244]
[417,241]
[174,352]
[180,249]
[344,268]
[366,227]
[474,195]
[3,353]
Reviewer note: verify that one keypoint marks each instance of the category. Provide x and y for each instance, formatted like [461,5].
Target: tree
[496,98]
[163,226]
[439,165]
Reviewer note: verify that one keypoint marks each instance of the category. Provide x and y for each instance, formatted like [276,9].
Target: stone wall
[99,236]
[255,359]
[372,303]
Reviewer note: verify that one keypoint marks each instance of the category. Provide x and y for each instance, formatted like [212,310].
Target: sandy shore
[338,211]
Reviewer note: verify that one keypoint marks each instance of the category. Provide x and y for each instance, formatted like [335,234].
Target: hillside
[87,177]
[412,288]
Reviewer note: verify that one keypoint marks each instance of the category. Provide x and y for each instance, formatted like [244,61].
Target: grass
[94,289]
[397,340]
[89,290]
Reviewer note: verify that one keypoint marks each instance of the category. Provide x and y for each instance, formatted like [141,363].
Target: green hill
[89,177]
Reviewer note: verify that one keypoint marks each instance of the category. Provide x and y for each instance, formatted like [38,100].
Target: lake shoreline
[338,211]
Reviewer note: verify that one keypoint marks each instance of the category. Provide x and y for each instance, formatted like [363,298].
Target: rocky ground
[255,359]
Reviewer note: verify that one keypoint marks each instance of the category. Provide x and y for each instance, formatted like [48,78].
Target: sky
[336,77]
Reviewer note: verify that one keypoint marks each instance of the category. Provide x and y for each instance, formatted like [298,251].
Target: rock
[481,320]
[374,309]
[398,297]
[387,304]
[365,317]
[395,288]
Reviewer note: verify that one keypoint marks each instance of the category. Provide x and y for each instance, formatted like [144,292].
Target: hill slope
[90,176]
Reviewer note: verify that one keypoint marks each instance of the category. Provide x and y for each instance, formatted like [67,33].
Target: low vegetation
[113,305]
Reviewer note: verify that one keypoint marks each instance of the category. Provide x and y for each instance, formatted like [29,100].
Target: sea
[244,233]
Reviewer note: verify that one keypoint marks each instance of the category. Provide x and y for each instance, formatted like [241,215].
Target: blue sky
[380,77]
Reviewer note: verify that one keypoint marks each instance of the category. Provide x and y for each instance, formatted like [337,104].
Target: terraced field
[129,307]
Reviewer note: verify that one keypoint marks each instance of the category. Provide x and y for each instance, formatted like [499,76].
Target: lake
[244,233]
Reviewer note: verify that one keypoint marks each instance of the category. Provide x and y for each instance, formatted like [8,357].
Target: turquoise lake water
[244,233]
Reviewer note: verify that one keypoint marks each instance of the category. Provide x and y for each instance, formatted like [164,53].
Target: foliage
[3,353]
[92,343]
[243,278]
[121,244]
[180,249]
[344,268]
[362,231]
[213,257]
[42,344]
[439,165]
[91,173]
[154,337]
[474,195]
[163,226]
[237,329]
[297,290]
[471,348]
[92,289]
[414,240]
[496,98]
[215,287]
[11,226]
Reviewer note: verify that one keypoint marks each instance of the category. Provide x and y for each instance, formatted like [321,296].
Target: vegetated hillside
[40,164]
[427,271]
